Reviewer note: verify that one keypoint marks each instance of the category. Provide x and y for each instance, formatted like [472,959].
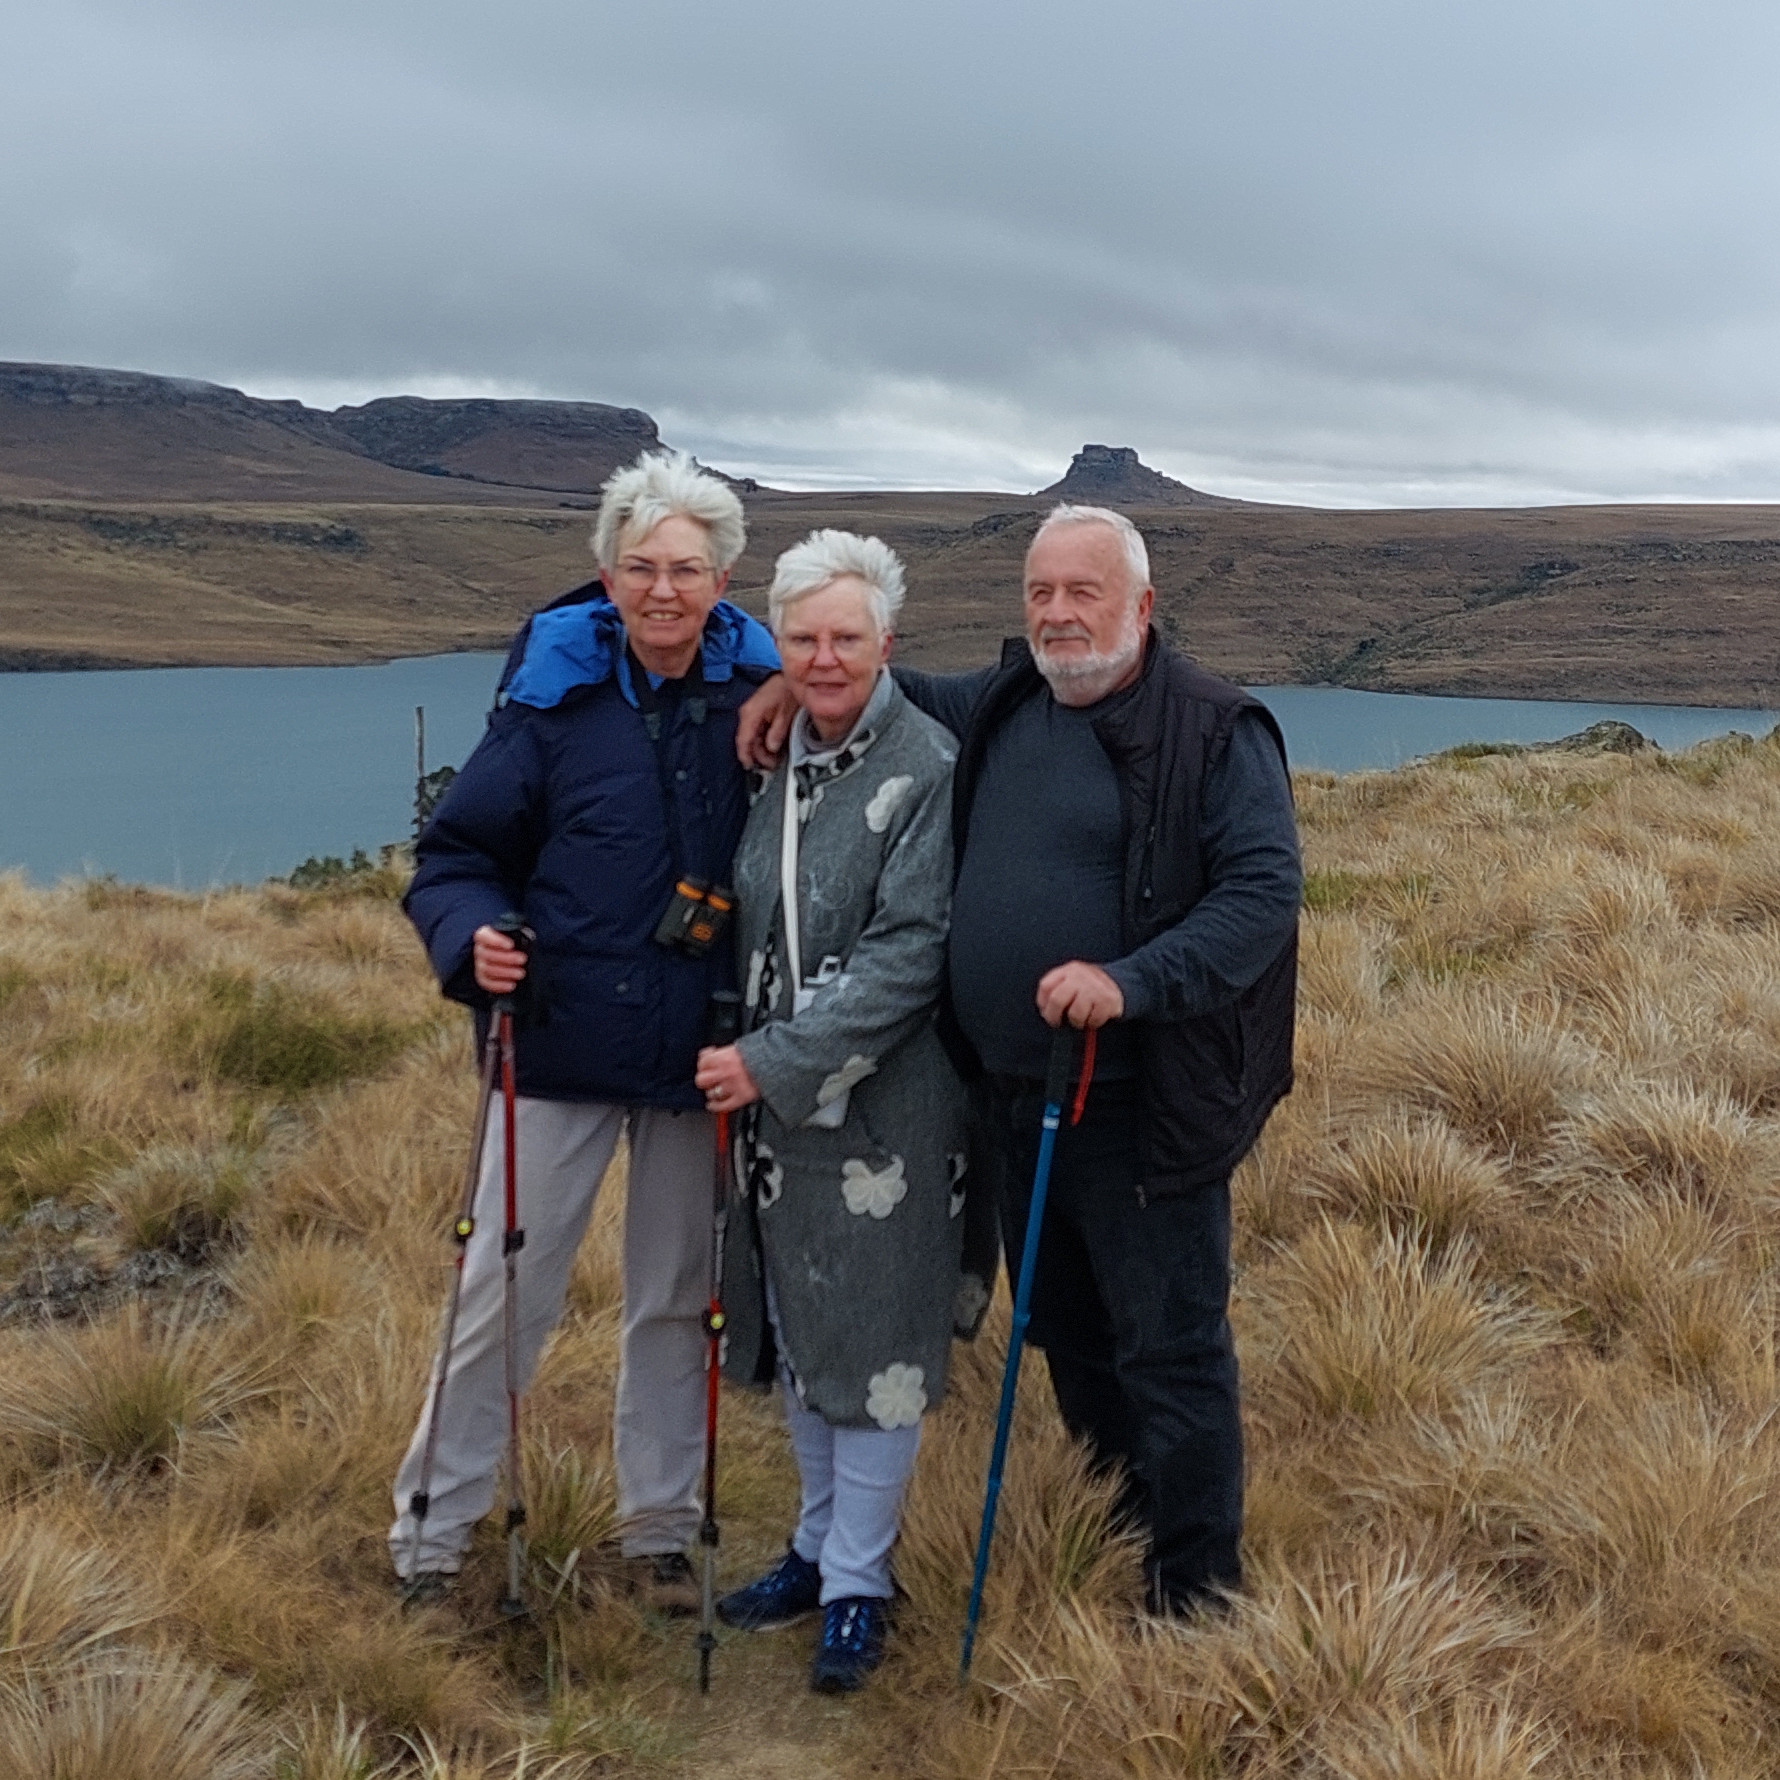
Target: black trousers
[1130,1304]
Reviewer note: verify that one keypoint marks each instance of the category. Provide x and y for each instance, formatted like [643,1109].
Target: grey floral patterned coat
[859,1226]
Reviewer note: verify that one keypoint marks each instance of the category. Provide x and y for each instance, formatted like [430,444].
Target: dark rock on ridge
[1607,737]
[568,446]
[87,419]
[1113,476]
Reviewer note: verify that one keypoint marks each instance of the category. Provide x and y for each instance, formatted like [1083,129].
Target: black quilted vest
[1208,1082]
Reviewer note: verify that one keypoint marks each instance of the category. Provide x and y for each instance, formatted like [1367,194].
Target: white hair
[667,485]
[1137,556]
[826,556]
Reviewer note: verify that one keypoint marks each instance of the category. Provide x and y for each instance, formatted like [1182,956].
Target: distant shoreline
[37,663]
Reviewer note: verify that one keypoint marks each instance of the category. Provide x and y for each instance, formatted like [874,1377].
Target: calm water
[195,776]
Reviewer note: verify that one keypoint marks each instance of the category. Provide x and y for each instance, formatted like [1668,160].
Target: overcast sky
[1348,252]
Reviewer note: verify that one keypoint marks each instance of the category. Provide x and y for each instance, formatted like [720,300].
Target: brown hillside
[1660,604]
[146,521]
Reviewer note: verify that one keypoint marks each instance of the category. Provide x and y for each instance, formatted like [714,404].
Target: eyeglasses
[848,645]
[683,577]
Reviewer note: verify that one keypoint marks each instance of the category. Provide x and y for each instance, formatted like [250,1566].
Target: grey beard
[1086,679]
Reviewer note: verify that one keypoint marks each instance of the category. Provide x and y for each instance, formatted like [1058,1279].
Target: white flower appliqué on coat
[887,802]
[846,1078]
[968,1305]
[956,1163]
[769,1180]
[896,1397]
[877,1191]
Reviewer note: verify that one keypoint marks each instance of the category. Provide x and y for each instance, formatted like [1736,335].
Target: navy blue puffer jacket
[567,813]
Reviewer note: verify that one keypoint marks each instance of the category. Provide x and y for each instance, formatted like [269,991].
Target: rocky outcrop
[571,447]
[92,388]
[1607,737]
[76,429]
[1113,476]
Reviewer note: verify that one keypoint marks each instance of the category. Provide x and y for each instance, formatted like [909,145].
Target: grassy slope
[1506,1302]
[1663,604]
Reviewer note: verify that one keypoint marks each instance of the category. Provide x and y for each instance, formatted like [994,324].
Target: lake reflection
[197,776]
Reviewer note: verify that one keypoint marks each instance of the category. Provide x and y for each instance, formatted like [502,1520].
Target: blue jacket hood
[582,644]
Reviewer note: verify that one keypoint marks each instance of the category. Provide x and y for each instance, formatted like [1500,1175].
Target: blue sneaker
[852,1643]
[791,1590]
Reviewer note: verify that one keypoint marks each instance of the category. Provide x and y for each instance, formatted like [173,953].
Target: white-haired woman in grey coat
[843,1277]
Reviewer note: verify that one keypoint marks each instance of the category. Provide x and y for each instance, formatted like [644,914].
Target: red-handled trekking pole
[497,1055]
[725,1026]
[512,1241]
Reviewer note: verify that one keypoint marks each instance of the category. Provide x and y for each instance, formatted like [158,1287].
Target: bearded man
[1127,860]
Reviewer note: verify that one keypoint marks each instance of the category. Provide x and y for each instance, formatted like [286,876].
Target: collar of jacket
[581,643]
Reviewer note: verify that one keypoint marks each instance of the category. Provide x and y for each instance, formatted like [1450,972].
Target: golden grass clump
[62,1600]
[1351,1323]
[1650,1140]
[178,1199]
[1417,1177]
[148,1718]
[121,1395]
[1506,1301]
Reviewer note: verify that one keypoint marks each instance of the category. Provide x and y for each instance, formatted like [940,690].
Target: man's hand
[763,723]
[725,1080]
[1082,994]
[499,964]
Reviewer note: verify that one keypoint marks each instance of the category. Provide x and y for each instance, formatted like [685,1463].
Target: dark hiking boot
[852,1643]
[664,1583]
[425,1588]
[791,1590]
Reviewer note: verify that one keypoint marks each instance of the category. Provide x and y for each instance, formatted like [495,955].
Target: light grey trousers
[852,1483]
[563,1150]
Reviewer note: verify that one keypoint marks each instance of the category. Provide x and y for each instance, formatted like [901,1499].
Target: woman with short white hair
[603,793]
[843,1277]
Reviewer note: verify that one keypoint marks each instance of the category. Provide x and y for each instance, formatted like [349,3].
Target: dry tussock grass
[1507,1300]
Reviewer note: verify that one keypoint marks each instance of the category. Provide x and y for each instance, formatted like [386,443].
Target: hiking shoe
[852,1643]
[663,1582]
[791,1590]
[425,1588]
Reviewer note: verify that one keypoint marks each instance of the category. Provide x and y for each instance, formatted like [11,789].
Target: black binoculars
[695,918]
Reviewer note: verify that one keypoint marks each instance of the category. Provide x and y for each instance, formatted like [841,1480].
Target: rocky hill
[70,431]
[571,447]
[1113,476]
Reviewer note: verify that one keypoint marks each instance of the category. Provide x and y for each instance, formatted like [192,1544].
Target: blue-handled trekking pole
[1056,1095]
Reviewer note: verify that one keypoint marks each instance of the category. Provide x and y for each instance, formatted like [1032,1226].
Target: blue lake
[198,776]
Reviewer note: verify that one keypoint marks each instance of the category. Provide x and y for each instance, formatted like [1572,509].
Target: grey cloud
[1372,252]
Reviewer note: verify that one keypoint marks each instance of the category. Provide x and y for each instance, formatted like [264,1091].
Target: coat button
[623,988]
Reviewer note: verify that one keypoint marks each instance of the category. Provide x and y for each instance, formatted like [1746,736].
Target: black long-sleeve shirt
[1039,880]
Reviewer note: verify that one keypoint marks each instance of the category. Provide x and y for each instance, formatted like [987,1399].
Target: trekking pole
[512,1241]
[1056,1096]
[463,1227]
[725,1027]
